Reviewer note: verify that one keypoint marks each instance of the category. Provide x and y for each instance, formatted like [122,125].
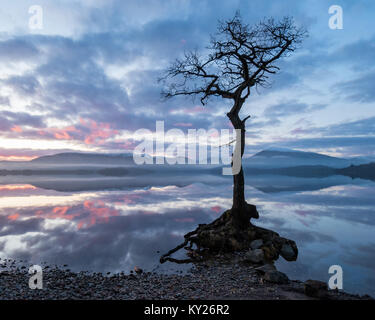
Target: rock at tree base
[316,289]
[254,256]
[256,244]
[289,251]
[275,276]
[224,235]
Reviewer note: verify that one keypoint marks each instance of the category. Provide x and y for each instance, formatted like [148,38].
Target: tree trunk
[239,207]
[238,179]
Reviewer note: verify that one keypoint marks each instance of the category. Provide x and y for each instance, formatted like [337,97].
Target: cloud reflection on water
[116,230]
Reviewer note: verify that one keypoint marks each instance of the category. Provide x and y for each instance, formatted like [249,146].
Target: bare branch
[241,57]
[244,120]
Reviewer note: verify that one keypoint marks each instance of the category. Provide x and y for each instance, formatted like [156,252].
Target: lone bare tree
[239,58]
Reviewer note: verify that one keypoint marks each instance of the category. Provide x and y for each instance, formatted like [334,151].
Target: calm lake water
[99,227]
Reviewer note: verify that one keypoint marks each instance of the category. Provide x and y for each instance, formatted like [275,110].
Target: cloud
[18,49]
[10,119]
[347,146]
[4,101]
[116,218]
[361,89]
[26,154]
[359,54]
[23,85]
[361,127]
[104,67]
[289,108]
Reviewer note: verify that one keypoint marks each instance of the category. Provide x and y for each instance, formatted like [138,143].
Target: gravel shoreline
[213,280]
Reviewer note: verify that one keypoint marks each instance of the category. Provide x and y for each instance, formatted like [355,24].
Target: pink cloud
[14,216]
[99,132]
[59,212]
[195,109]
[88,131]
[16,129]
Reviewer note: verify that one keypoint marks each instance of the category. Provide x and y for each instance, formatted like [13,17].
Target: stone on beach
[138,270]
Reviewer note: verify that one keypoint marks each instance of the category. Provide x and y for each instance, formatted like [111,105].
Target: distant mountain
[284,158]
[85,159]
[282,162]
[270,158]
[364,171]
[114,172]
[76,158]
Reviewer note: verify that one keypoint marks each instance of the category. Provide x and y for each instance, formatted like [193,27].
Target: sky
[87,80]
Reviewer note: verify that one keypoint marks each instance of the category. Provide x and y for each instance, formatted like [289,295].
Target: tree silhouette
[240,57]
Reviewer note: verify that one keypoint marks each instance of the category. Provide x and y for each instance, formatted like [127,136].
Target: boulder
[289,251]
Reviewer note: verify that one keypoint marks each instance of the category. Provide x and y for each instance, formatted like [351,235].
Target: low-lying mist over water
[113,222]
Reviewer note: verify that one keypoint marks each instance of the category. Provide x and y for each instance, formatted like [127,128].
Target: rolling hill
[283,158]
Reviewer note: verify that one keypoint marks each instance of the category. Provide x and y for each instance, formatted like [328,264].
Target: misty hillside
[85,158]
[283,158]
[270,158]
[282,162]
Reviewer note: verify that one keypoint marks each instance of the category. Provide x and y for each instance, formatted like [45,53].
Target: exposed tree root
[225,234]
